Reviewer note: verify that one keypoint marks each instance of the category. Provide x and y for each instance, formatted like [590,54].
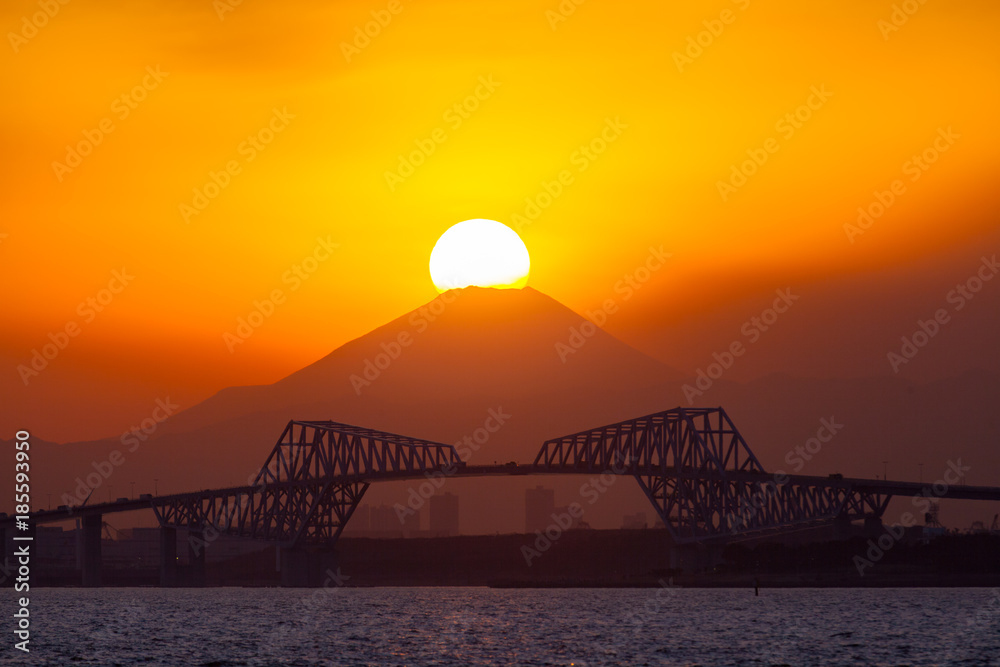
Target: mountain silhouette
[437,372]
[441,370]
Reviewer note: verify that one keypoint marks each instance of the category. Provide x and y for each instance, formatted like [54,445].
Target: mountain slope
[434,373]
[440,371]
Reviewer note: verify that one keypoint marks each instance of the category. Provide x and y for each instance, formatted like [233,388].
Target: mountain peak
[434,373]
[481,341]
[465,347]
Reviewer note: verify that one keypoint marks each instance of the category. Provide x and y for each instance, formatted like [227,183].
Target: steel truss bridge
[701,477]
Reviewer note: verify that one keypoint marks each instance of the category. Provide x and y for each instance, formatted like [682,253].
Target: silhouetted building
[539,504]
[360,520]
[53,545]
[133,548]
[633,521]
[575,522]
[444,514]
[383,519]
[391,521]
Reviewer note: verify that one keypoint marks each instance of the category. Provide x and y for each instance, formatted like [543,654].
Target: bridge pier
[90,547]
[168,557]
[196,558]
[8,565]
[303,567]
[695,557]
[873,525]
[299,568]
[842,527]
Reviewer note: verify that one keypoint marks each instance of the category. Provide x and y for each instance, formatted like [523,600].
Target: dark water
[475,626]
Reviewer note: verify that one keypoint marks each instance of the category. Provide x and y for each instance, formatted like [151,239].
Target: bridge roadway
[875,487]
[703,480]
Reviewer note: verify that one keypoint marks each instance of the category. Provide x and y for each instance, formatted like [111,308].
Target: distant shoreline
[824,580]
[581,559]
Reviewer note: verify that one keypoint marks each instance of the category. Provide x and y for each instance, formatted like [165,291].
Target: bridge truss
[310,485]
[694,466]
[702,479]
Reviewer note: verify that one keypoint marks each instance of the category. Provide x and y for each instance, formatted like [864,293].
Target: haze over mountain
[436,373]
[439,371]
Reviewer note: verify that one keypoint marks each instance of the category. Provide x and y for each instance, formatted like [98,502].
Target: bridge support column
[873,525]
[301,567]
[842,527]
[196,558]
[168,557]
[694,558]
[7,565]
[91,548]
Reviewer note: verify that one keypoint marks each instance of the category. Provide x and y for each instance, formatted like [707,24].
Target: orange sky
[337,126]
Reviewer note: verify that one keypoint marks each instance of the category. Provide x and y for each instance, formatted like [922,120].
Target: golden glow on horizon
[588,135]
[479,253]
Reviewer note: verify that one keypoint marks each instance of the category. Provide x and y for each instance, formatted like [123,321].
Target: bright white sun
[480,253]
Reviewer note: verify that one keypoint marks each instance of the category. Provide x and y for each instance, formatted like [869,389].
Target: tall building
[539,504]
[389,521]
[360,522]
[409,522]
[444,514]
[383,519]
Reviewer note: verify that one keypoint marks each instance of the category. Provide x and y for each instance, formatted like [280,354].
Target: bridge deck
[879,487]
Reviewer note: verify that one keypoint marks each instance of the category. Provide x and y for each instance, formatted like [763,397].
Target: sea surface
[480,626]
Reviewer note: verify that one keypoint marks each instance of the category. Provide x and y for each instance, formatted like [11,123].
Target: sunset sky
[308,119]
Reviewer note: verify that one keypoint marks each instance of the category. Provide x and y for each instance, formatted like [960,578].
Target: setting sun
[479,253]
[722,328]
